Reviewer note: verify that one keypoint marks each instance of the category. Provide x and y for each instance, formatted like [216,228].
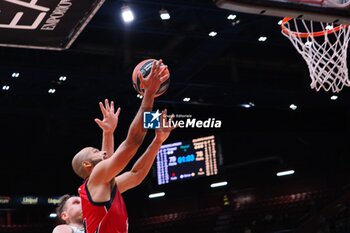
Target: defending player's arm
[143,165]
[107,169]
[108,126]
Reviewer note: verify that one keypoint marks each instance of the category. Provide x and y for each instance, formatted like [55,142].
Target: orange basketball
[145,68]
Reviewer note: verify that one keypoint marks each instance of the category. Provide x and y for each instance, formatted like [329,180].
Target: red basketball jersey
[103,217]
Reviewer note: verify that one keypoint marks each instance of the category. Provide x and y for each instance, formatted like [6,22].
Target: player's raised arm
[108,125]
[143,165]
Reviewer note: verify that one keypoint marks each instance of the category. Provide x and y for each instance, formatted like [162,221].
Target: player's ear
[64,216]
[87,164]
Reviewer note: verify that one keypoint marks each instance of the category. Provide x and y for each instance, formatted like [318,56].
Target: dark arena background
[248,76]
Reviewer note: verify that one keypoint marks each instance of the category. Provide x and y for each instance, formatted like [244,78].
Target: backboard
[332,11]
[44,24]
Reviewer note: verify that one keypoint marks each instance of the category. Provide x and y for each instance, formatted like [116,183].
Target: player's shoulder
[63,228]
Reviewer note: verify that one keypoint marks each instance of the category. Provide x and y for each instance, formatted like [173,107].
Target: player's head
[86,159]
[69,209]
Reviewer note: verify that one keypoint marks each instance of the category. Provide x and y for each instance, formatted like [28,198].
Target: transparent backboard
[333,11]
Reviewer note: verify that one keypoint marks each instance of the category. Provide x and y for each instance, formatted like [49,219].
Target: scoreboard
[187,159]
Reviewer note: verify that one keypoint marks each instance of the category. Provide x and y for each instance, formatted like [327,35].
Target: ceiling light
[245,105]
[154,195]
[164,14]
[5,87]
[15,75]
[219,184]
[293,106]
[51,91]
[212,34]
[236,22]
[186,99]
[285,173]
[262,38]
[53,215]
[63,78]
[334,97]
[248,105]
[127,14]
[231,17]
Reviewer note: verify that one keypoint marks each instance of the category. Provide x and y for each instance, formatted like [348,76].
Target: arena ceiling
[41,131]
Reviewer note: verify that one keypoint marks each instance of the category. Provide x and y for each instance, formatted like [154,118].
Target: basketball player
[69,213]
[69,210]
[103,207]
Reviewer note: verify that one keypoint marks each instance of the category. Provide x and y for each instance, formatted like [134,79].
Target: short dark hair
[60,208]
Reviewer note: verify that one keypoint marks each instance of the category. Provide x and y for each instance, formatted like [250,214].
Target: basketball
[145,68]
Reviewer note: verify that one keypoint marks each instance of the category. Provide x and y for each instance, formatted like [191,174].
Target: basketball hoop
[324,48]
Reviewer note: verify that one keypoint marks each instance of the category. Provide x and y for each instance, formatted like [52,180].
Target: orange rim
[307,34]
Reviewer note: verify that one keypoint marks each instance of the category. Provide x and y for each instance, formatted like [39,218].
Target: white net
[324,48]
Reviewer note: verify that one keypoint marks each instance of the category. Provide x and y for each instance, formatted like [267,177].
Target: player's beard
[95,161]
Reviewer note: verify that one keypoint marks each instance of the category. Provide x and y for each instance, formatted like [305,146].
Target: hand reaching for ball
[152,82]
[151,76]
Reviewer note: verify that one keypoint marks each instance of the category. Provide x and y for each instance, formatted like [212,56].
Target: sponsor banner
[28,200]
[44,24]
[4,200]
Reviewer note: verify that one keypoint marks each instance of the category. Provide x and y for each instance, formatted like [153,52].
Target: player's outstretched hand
[110,118]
